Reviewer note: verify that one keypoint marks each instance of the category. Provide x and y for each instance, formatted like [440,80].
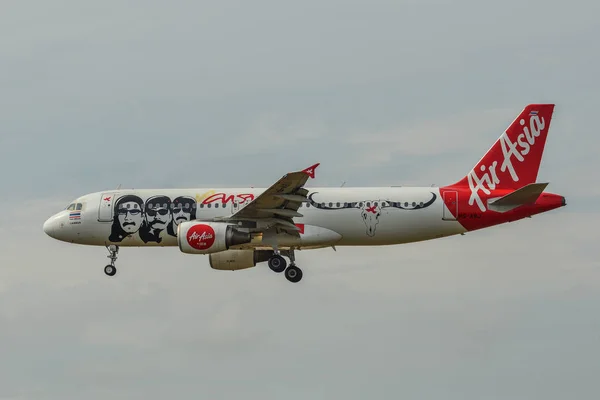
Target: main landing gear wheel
[110,270]
[293,274]
[277,263]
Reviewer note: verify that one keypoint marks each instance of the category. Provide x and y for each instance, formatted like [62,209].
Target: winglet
[310,171]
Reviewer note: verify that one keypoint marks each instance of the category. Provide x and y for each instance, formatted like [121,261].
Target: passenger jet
[240,227]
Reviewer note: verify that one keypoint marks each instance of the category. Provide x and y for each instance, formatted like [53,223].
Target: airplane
[239,228]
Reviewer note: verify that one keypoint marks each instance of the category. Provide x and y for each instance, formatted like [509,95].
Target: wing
[279,204]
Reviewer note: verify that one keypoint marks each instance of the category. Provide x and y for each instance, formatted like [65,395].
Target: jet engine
[194,237]
[230,260]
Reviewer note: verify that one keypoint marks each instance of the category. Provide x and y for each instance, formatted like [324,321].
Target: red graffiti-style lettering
[246,197]
[224,198]
[218,197]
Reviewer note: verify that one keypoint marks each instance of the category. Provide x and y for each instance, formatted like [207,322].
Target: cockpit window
[75,206]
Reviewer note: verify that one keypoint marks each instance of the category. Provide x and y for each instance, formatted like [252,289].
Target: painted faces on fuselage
[130,216]
[183,209]
[158,213]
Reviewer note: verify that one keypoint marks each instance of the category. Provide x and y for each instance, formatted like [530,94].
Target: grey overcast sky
[237,93]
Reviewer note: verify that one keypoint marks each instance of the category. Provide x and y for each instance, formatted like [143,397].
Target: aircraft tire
[293,274]
[277,263]
[110,270]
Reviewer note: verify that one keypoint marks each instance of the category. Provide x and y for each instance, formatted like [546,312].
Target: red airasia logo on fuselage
[201,237]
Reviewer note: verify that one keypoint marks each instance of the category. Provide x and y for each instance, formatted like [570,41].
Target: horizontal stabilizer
[528,194]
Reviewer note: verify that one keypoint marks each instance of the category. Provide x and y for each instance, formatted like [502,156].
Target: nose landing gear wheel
[293,274]
[277,263]
[113,251]
[110,270]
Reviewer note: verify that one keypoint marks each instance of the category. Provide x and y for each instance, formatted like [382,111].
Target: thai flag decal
[75,215]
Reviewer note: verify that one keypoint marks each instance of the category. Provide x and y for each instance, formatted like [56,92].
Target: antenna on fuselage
[118,187]
[343,183]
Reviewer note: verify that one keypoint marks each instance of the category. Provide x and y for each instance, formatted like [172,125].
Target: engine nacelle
[230,260]
[195,237]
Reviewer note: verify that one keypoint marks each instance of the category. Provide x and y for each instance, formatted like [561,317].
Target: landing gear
[110,270]
[113,251]
[278,264]
[293,274]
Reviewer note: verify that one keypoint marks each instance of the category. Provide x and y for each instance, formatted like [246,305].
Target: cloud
[466,132]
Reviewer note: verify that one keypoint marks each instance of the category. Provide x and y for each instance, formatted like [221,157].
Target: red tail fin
[514,160]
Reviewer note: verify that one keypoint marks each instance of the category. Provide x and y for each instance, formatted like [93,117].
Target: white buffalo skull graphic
[370,210]
[370,213]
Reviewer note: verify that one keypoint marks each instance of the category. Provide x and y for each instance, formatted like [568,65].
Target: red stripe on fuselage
[472,218]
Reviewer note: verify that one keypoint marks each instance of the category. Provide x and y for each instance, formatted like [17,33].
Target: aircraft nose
[51,226]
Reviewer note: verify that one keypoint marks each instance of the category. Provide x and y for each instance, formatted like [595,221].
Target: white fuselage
[372,216]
